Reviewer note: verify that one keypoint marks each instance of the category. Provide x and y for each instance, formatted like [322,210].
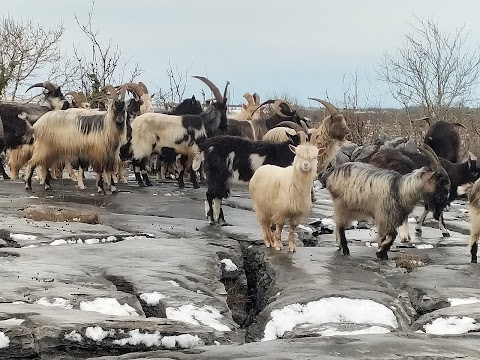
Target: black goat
[232,159]
[444,139]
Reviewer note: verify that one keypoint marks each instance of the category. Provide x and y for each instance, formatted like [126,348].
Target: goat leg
[209,210]
[342,239]
[421,219]
[100,188]
[278,236]
[291,236]
[80,184]
[267,233]
[404,232]
[4,173]
[441,225]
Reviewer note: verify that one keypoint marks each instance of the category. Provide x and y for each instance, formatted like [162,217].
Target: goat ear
[292,138]
[292,148]
[151,96]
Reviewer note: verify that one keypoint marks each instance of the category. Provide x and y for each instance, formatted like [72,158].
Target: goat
[68,135]
[249,111]
[153,131]
[232,160]
[16,119]
[406,162]
[283,193]
[278,134]
[443,138]
[255,129]
[361,191]
[473,192]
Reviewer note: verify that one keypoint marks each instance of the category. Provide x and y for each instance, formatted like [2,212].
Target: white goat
[278,134]
[67,136]
[280,193]
[473,192]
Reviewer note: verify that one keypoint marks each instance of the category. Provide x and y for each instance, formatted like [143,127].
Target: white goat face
[305,157]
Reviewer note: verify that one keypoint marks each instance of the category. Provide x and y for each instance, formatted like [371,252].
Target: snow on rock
[4,340]
[412,220]
[137,338]
[73,336]
[12,321]
[108,306]
[22,237]
[207,315]
[328,223]
[328,310]
[229,265]
[152,298]
[58,302]
[58,242]
[424,246]
[456,301]
[174,283]
[183,341]
[452,325]
[97,333]
[367,331]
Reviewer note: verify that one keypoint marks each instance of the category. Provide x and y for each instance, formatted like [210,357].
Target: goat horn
[110,91]
[212,87]
[123,90]
[430,154]
[282,108]
[264,103]
[458,125]
[143,86]
[46,85]
[256,97]
[249,98]
[76,96]
[225,91]
[303,137]
[136,88]
[330,108]
[425,118]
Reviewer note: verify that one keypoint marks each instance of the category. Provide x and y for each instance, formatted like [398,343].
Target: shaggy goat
[278,134]
[361,191]
[406,162]
[16,119]
[249,111]
[153,131]
[68,135]
[231,160]
[473,192]
[281,194]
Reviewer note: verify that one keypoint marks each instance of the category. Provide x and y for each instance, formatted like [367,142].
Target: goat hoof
[47,187]
[149,183]
[141,184]
[212,223]
[346,251]
[28,188]
[474,261]
[113,189]
[405,240]
[80,187]
[223,223]
[6,177]
[196,186]
[418,231]
[382,255]
[446,234]
[181,186]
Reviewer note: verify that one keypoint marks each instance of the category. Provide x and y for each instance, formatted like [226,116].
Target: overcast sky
[302,48]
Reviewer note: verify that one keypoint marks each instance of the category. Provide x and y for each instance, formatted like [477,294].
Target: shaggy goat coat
[473,191]
[281,194]
[362,191]
[278,134]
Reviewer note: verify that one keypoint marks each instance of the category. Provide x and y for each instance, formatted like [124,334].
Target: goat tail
[197,161]
[28,138]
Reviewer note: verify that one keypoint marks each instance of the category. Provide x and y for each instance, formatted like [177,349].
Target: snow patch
[4,340]
[22,237]
[367,331]
[229,265]
[152,298]
[74,336]
[328,222]
[12,321]
[174,283]
[58,242]
[58,302]
[97,333]
[412,220]
[424,246]
[452,325]
[328,310]
[183,341]
[457,301]
[108,306]
[207,315]
[137,338]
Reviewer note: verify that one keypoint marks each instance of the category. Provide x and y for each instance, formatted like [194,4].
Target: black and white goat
[68,135]
[361,191]
[153,131]
[17,119]
[229,160]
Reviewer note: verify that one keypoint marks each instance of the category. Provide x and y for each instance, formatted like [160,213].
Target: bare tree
[433,70]
[167,98]
[25,49]
[104,65]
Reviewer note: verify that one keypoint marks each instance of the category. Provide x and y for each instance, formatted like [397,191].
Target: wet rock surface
[141,275]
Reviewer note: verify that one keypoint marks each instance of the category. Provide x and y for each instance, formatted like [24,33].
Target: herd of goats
[278,154]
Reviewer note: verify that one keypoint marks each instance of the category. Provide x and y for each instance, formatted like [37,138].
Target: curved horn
[212,87]
[249,98]
[143,86]
[330,108]
[458,125]
[425,118]
[46,85]
[264,103]
[303,137]
[77,97]
[136,88]
[282,108]
[430,154]
[225,92]
[123,91]
[110,91]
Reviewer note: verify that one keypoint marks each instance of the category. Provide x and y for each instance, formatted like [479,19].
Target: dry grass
[56,214]
[410,262]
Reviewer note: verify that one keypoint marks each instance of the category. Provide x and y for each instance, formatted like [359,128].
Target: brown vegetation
[56,214]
